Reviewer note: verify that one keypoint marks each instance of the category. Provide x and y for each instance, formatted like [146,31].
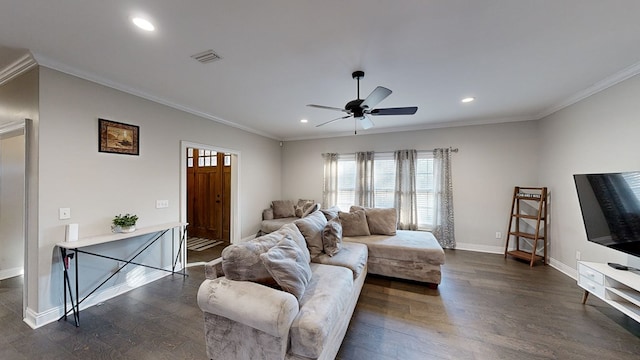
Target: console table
[618,288]
[69,250]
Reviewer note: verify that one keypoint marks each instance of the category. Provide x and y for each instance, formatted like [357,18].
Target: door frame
[234,227]
[9,130]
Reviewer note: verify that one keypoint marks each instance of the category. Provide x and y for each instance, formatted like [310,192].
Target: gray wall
[492,159]
[97,186]
[598,134]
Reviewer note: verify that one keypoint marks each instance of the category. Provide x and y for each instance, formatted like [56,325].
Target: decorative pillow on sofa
[310,209]
[332,236]
[283,209]
[331,212]
[302,206]
[354,223]
[311,228]
[287,265]
[242,261]
[382,221]
[292,230]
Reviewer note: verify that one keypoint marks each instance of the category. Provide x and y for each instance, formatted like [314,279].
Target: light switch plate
[161,204]
[64,213]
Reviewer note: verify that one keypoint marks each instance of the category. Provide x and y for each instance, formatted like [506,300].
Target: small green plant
[125,220]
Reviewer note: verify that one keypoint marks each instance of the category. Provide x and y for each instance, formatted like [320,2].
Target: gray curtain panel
[364,193]
[405,192]
[443,214]
[330,180]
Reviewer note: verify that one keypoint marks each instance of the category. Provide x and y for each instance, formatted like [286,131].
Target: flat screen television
[610,205]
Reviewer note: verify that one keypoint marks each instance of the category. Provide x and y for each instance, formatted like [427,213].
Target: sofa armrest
[213,269]
[260,307]
[267,214]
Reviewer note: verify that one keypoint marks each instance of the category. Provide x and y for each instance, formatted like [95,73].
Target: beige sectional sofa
[251,320]
[249,315]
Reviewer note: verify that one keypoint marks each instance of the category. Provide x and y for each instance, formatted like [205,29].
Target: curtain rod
[455,150]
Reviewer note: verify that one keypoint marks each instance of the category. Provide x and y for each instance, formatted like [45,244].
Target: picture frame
[118,138]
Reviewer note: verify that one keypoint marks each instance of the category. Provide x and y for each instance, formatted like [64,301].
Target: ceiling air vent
[206,56]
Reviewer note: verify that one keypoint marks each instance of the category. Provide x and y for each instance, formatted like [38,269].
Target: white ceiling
[522,59]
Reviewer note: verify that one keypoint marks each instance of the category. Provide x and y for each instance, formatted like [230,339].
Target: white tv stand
[618,288]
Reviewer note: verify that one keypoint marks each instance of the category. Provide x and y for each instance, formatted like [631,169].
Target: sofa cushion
[311,209]
[302,206]
[242,261]
[289,266]
[354,223]
[406,245]
[352,256]
[295,234]
[331,212]
[332,237]
[382,221]
[311,228]
[327,296]
[269,226]
[283,209]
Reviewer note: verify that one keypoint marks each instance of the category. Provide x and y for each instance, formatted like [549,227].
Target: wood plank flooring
[486,308]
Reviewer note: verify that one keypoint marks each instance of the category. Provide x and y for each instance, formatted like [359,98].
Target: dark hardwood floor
[486,308]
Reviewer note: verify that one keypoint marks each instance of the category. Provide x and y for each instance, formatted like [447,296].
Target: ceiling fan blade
[330,121]
[366,122]
[378,94]
[394,111]
[326,107]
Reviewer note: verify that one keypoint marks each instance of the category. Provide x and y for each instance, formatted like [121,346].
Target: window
[384,180]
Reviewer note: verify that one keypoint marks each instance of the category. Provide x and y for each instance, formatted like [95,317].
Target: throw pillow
[311,228]
[311,209]
[288,266]
[332,237]
[302,206]
[355,208]
[292,231]
[283,209]
[242,261]
[354,223]
[331,212]
[382,221]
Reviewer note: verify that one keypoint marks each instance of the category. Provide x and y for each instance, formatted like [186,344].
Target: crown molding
[17,68]
[608,82]
[51,64]
[428,126]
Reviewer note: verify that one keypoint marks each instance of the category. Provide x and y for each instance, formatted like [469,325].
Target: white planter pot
[123,229]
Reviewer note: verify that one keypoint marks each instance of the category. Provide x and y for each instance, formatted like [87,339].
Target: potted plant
[124,223]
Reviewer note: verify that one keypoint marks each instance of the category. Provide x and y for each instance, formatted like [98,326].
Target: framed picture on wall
[118,138]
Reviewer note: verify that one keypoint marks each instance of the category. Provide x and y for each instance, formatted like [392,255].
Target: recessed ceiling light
[468,99]
[304,121]
[143,24]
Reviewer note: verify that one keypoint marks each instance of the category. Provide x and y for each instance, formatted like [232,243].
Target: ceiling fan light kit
[361,108]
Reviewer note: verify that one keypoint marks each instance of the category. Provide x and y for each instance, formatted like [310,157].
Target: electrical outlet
[161,204]
[498,235]
[577,255]
[64,213]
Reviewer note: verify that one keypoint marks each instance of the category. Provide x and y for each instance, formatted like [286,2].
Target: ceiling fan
[361,109]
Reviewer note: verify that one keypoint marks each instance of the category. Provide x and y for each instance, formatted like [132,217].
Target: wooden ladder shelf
[528,209]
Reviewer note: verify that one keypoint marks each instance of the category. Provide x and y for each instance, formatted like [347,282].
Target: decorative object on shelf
[118,138]
[124,223]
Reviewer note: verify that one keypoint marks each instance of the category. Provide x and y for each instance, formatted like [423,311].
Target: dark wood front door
[208,194]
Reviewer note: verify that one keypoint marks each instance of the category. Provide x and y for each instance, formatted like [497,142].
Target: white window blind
[384,172]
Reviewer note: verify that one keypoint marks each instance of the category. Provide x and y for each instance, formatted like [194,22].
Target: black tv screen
[610,205]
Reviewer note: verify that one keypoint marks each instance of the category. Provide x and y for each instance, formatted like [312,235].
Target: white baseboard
[480,248]
[36,320]
[9,273]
